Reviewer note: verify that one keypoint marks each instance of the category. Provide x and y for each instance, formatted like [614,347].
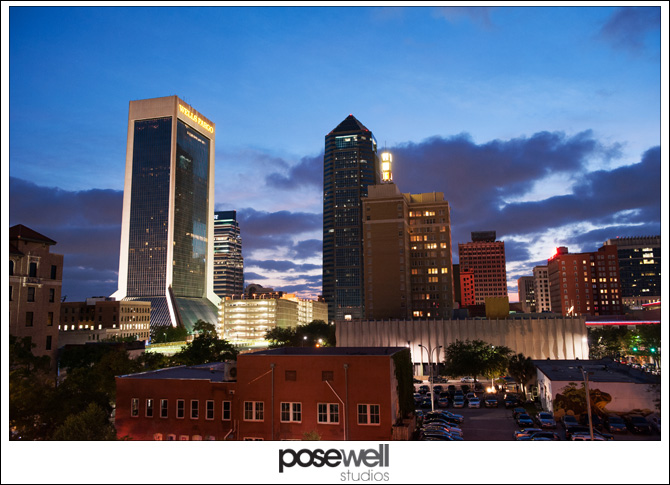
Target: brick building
[35,281]
[486,258]
[340,393]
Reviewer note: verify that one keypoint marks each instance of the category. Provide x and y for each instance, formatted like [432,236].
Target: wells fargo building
[168,212]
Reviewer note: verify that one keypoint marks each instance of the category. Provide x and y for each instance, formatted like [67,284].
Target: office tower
[486,258]
[35,281]
[639,268]
[542,298]
[585,283]
[526,285]
[407,254]
[228,261]
[167,228]
[350,166]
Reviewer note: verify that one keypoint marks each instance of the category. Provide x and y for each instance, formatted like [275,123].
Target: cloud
[628,27]
[306,173]
[282,266]
[279,223]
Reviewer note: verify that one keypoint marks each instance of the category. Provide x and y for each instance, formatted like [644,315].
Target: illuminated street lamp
[430,373]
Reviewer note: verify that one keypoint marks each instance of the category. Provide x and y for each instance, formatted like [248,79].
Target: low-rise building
[279,394]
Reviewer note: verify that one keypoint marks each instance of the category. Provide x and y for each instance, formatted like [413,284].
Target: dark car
[491,401]
[451,388]
[545,420]
[615,424]
[525,433]
[426,403]
[578,429]
[541,436]
[595,420]
[637,424]
[517,411]
[417,399]
[512,400]
[438,388]
[569,420]
[459,402]
[424,389]
[524,420]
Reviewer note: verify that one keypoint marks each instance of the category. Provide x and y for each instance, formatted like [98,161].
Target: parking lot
[497,424]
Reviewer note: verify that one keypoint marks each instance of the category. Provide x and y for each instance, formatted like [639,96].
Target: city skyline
[471,121]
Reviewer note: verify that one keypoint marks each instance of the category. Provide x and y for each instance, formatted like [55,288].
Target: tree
[282,337]
[607,342]
[167,334]
[475,358]
[92,424]
[647,340]
[201,327]
[522,369]
[315,330]
[204,349]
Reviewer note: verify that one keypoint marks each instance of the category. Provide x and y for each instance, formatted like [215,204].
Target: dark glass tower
[228,261]
[350,166]
[167,228]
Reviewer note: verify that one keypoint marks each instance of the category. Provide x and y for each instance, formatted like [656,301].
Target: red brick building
[485,257]
[280,394]
[585,283]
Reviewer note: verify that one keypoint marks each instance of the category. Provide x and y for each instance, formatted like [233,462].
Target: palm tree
[522,369]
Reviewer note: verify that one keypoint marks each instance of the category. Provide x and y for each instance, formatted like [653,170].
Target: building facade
[228,261]
[485,257]
[279,394]
[585,283]
[526,285]
[167,226]
[541,286]
[351,165]
[104,318]
[639,268]
[35,283]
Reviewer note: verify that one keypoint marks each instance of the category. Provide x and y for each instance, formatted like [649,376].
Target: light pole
[429,351]
[588,398]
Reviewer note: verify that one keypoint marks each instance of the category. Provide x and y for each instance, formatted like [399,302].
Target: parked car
[586,437]
[525,433]
[596,422]
[569,420]
[545,420]
[491,401]
[655,422]
[517,411]
[417,399]
[467,379]
[541,436]
[459,402]
[426,403]
[638,424]
[456,417]
[615,424]
[449,428]
[524,420]
[438,388]
[470,395]
[451,388]
[437,417]
[474,403]
[579,429]
[512,400]
[424,389]
[443,402]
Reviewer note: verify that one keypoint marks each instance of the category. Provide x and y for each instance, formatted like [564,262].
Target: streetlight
[588,398]
[430,373]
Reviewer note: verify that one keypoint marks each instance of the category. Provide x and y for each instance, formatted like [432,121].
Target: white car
[467,379]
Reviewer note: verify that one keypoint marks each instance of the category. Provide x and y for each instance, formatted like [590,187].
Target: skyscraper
[541,288]
[486,258]
[228,261]
[167,228]
[350,166]
[526,285]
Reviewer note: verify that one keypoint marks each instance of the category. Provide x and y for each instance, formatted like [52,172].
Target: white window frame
[328,412]
[207,410]
[365,411]
[226,409]
[292,411]
[256,410]
[195,410]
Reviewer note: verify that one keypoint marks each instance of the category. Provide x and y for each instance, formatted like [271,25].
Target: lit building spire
[387,174]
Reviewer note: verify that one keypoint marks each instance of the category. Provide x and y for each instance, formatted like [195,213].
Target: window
[11,267]
[183,437]
[171,437]
[149,412]
[31,294]
[194,408]
[290,375]
[180,408]
[164,408]
[10,292]
[328,413]
[32,271]
[48,345]
[291,412]
[29,319]
[54,269]
[209,410]
[253,410]
[327,375]
[158,437]
[225,411]
[368,414]
[134,407]
[50,319]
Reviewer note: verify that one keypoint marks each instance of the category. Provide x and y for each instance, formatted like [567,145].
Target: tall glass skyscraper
[228,261]
[350,166]
[167,228]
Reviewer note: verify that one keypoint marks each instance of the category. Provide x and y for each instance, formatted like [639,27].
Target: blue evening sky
[542,123]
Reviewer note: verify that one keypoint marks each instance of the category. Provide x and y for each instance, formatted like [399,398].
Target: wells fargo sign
[188,113]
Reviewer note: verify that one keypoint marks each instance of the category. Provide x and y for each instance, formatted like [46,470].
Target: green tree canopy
[282,337]
[92,424]
[204,349]
[475,358]
[302,336]
[167,334]
[522,369]
[201,327]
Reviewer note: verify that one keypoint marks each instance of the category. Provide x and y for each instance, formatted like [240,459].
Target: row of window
[31,292]
[32,270]
[290,412]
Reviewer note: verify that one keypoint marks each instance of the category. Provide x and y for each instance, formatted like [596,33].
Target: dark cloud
[282,223]
[250,277]
[307,173]
[628,27]
[516,251]
[308,248]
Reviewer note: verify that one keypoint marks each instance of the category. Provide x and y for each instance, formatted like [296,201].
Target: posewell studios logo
[373,459]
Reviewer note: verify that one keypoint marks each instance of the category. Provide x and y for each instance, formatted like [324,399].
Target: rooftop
[25,233]
[214,372]
[330,351]
[604,370]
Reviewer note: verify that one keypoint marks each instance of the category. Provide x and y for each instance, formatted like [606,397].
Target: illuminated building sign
[189,114]
[387,176]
